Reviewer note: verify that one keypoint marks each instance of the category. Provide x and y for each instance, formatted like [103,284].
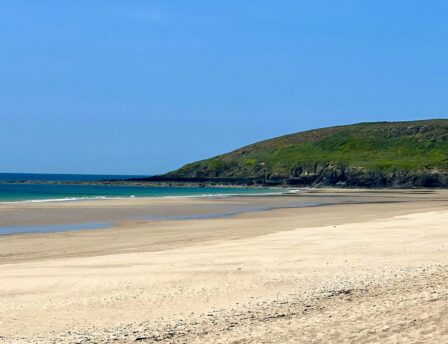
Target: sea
[37,188]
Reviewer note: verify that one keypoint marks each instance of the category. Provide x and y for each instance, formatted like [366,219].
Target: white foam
[225,195]
[75,199]
[66,199]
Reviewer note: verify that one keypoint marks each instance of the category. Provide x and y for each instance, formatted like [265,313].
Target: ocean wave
[205,195]
[226,195]
[65,199]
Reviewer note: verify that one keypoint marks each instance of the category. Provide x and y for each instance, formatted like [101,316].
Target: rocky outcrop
[334,175]
[327,175]
[382,154]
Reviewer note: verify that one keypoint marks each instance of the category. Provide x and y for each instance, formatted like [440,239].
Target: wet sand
[368,267]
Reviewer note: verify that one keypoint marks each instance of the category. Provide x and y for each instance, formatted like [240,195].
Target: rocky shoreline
[144,182]
[321,175]
[318,175]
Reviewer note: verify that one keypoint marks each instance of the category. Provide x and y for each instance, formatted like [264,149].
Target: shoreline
[227,183]
[99,198]
[245,204]
[321,274]
[128,233]
[96,192]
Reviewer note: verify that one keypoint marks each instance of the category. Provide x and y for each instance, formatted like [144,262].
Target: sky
[143,87]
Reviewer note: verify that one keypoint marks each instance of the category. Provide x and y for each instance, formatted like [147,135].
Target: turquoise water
[14,192]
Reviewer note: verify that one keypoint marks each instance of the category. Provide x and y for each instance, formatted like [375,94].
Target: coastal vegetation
[365,154]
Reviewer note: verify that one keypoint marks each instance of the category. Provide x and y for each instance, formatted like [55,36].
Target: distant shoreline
[51,191]
[138,183]
[201,183]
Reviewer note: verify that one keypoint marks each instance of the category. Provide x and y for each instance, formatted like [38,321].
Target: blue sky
[141,86]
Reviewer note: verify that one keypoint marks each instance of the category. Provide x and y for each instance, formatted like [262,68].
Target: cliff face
[331,175]
[400,154]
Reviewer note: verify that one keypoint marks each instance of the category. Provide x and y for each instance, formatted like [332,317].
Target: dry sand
[374,272]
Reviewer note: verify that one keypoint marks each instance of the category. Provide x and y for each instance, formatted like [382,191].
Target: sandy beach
[323,266]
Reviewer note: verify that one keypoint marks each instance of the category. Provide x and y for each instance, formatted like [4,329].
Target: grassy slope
[379,146]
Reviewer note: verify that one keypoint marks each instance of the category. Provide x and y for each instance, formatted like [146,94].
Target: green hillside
[373,152]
